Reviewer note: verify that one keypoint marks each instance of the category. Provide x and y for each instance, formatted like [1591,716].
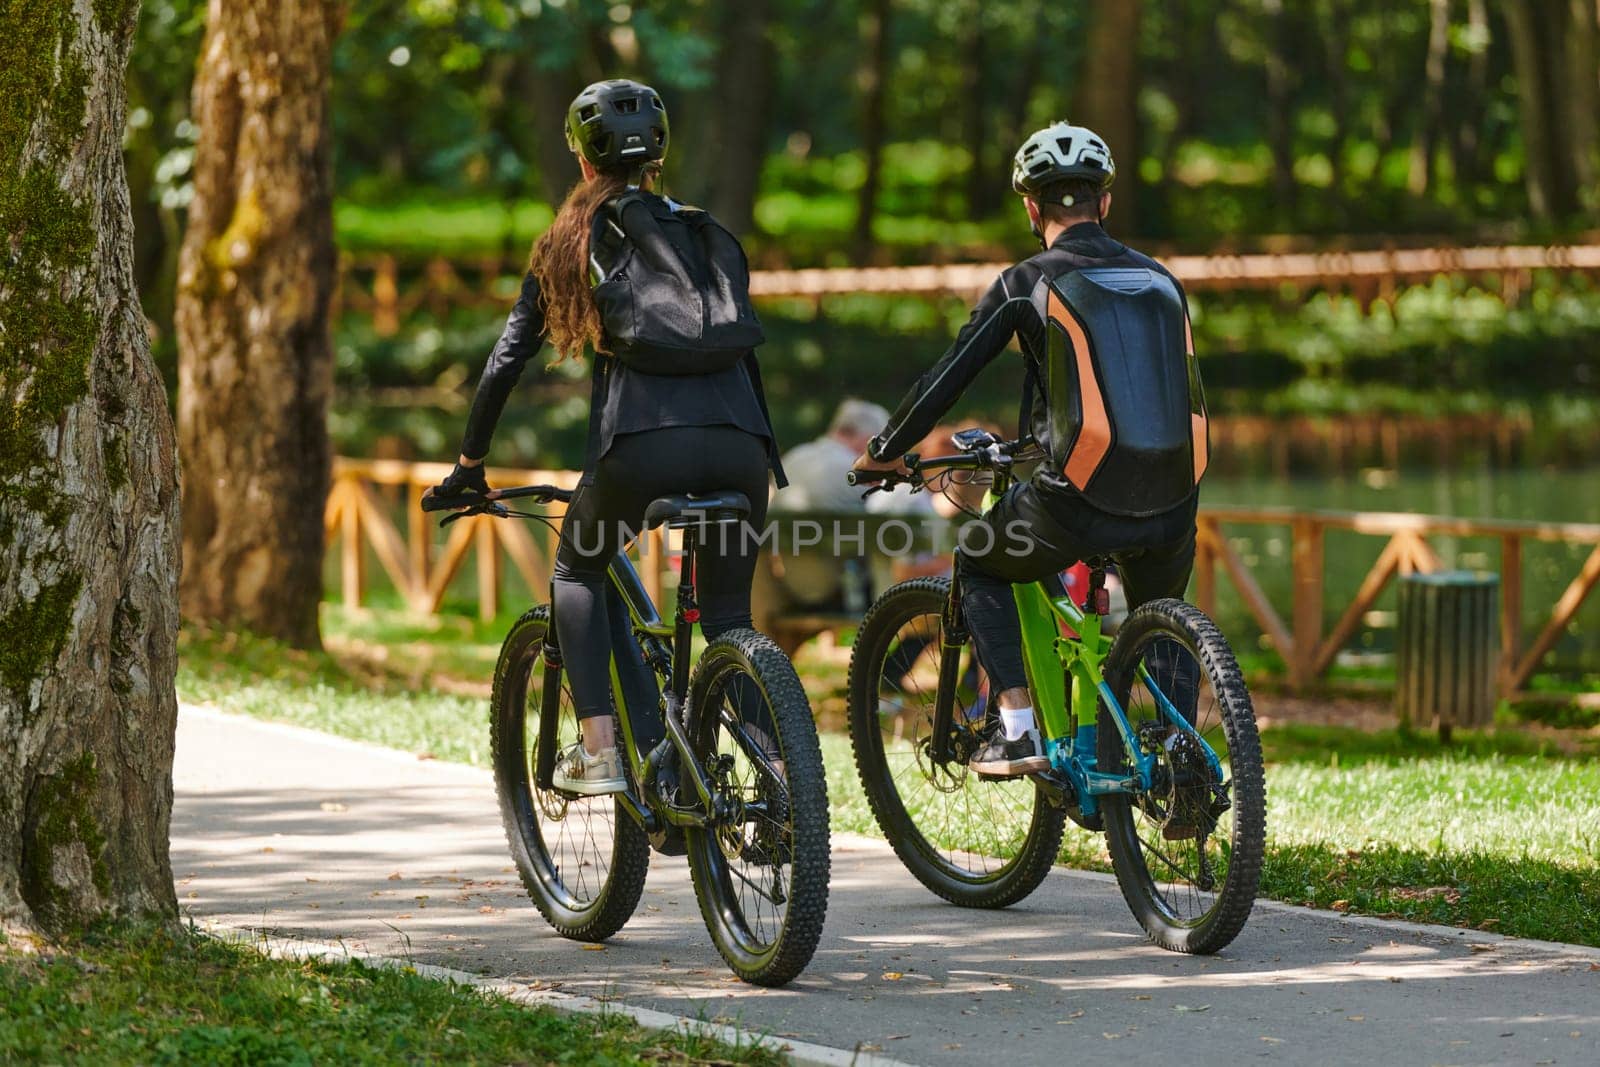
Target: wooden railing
[367,494]
[1308,652]
[389,288]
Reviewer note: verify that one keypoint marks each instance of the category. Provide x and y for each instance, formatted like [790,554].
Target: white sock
[1016,722]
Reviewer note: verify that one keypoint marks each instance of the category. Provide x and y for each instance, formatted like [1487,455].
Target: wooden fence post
[1205,571]
[352,553]
[1510,610]
[1305,552]
[488,569]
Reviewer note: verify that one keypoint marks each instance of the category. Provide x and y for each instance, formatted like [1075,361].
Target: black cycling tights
[638,468]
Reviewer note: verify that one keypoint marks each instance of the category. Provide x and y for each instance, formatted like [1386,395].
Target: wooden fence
[389,288]
[367,494]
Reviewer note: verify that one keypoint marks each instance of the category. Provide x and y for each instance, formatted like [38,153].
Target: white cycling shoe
[578,772]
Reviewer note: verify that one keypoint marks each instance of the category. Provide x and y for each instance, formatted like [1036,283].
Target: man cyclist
[1113,399]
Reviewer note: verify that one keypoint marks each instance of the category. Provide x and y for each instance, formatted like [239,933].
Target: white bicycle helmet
[1059,152]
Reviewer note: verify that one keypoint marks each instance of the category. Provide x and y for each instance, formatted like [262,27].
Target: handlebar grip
[857,476]
[450,503]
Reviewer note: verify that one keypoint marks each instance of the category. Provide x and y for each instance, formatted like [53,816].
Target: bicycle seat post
[1099,599]
[688,614]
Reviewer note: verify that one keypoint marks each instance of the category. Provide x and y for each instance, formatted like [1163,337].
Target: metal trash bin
[1449,645]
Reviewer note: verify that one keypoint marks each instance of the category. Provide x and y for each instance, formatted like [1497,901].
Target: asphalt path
[300,834]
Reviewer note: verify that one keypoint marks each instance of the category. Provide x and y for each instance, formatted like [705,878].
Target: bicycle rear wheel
[1188,852]
[761,873]
[582,859]
[981,844]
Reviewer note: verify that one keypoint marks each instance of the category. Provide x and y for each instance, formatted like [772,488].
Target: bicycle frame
[666,649]
[1066,679]
[1070,719]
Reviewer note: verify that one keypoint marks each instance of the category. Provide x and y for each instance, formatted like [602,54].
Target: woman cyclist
[652,435]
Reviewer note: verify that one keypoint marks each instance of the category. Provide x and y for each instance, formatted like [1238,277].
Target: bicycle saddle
[690,509]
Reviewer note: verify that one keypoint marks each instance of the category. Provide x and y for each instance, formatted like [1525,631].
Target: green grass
[1498,830]
[155,995]
[435,226]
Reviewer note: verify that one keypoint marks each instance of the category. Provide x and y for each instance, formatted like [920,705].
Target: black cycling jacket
[632,401]
[1105,333]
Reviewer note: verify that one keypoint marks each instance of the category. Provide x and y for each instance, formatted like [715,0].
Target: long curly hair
[560,262]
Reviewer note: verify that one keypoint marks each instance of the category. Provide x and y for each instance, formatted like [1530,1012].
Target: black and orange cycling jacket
[1104,330]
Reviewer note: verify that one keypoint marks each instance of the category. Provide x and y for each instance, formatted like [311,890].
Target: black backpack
[673,288]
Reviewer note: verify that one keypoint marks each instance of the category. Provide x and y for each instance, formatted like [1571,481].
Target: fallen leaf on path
[333,805]
[486,910]
[1140,996]
[1356,1018]
[1594,966]
[1272,1040]
[426,755]
[1342,940]
[1196,1008]
[902,1037]
[1340,905]
[395,877]
[869,1048]
[593,948]
[1479,946]
[268,848]
[952,1048]
[892,976]
[1109,1036]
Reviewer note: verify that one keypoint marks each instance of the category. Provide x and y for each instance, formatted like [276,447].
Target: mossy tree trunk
[88,492]
[255,279]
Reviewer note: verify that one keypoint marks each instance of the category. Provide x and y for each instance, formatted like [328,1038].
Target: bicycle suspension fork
[952,638]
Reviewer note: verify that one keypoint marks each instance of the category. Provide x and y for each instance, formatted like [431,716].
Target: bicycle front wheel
[761,871]
[582,859]
[980,844]
[1188,851]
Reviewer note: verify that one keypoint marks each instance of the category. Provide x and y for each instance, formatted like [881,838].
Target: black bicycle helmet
[618,123]
[1059,152]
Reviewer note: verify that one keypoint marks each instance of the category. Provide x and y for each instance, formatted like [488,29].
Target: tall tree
[1107,99]
[1583,94]
[255,360]
[88,492]
[1425,147]
[874,88]
[724,124]
[1538,31]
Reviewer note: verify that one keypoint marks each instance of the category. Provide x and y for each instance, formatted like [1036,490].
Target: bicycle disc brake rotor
[952,776]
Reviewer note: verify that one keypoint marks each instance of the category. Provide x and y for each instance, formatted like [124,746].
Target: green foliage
[158,995]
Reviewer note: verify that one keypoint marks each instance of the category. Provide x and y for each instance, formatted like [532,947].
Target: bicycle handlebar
[467,504]
[987,454]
